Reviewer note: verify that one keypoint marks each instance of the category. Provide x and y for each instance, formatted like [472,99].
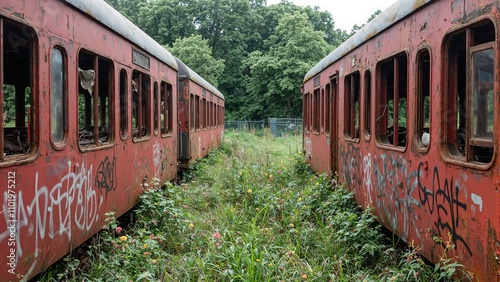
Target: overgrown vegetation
[250,211]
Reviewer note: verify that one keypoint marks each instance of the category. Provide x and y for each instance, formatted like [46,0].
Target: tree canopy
[256,55]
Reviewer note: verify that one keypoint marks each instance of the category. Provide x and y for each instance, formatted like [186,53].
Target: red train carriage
[405,114]
[92,108]
[201,116]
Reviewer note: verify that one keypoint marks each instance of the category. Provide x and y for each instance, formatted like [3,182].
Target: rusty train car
[96,118]
[404,113]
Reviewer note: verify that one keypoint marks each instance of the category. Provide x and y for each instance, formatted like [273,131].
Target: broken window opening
[123,104]
[352,105]
[423,99]
[470,105]
[94,100]
[166,108]
[392,101]
[17,45]
[58,99]
[141,116]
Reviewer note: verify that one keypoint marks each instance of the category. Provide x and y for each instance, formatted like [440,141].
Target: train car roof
[393,14]
[184,70]
[107,15]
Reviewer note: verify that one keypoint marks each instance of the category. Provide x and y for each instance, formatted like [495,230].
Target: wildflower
[153,261]
[145,246]
[146,253]
[291,225]
[300,200]
[191,225]
[271,264]
[118,230]
[257,209]
[249,191]
[152,236]
[257,260]
[304,276]
[271,177]
[123,238]
[216,235]
[175,215]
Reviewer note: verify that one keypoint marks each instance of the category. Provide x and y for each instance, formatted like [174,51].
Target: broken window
[327,109]
[315,111]
[367,97]
[155,107]
[423,98]
[392,101]
[470,99]
[58,117]
[352,105]
[123,104]
[192,109]
[95,75]
[166,108]
[141,100]
[17,45]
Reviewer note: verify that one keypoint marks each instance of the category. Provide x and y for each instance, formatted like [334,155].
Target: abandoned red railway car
[89,106]
[201,116]
[405,114]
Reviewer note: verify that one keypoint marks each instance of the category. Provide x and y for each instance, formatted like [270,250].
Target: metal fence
[278,126]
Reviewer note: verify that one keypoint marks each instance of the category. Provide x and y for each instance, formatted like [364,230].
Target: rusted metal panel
[426,197]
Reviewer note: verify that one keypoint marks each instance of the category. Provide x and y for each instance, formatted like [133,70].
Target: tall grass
[250,211]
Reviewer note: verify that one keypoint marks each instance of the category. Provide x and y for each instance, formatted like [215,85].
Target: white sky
[345,13]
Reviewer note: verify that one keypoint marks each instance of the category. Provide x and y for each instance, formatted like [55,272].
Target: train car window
[367,86]
[197,111]
[17,46]
[470,108]
[166,108]
[423,100]
[141,101]
[391,104]
[192,113]
[58,99]
[204,113]
[123,104]
[94,100]
[322,110]
[315,111]
[352,105]
[327,107]
[305,112]
[156,113]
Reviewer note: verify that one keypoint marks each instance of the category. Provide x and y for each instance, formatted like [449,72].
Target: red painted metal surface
[429,196]
[55,196]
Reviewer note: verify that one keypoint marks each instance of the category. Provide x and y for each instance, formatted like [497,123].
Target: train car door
[333,124]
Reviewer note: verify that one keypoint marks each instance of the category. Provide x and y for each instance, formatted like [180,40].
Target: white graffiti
[476,199]
[308,148]
[55,210]
[367,167]
[157,158]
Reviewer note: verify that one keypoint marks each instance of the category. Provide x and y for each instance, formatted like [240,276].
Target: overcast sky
[345,13]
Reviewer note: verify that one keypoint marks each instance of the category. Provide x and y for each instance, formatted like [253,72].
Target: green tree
[196,54]
[275,77]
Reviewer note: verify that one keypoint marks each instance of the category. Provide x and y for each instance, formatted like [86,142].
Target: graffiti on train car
[106,175]
[157,157]
[401,192]
[55,210]
[444,198]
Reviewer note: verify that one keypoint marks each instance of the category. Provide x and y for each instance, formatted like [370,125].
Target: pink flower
[216,235]
[152,237]
[118,230]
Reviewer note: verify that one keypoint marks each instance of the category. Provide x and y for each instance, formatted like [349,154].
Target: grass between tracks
[251,211]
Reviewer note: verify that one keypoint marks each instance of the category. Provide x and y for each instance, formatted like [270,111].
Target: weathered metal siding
[58,198]
[422,196]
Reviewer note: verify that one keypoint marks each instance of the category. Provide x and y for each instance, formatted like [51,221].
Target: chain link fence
[278,126]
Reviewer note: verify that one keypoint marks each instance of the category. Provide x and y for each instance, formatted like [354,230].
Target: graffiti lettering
[106,175]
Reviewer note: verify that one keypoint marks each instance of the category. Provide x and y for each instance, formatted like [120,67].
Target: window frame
[60,145]
[420,119]
[352,106]
[453,107]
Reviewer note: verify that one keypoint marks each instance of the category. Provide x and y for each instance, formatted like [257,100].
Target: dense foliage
[266,50]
